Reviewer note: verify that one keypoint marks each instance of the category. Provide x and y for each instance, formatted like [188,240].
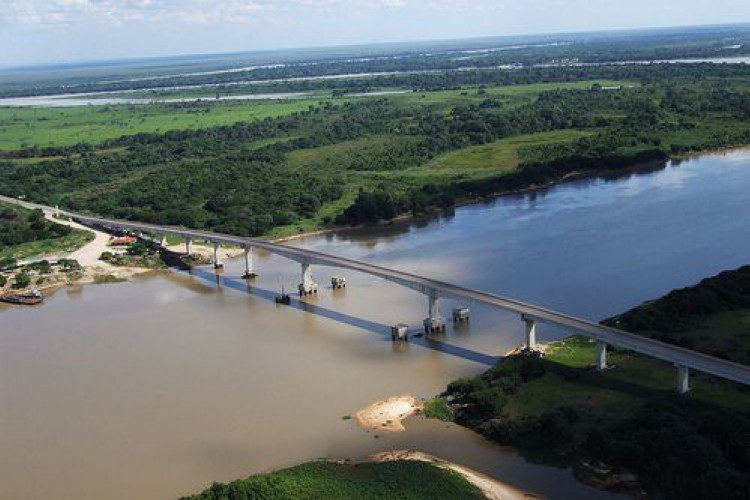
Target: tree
[23,280]
[8,263]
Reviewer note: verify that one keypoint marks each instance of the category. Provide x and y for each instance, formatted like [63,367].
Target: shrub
[22,280]
[69,264]
[8,263]
[438,408]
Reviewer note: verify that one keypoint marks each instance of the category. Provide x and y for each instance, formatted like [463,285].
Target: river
[113,97]
[157,387]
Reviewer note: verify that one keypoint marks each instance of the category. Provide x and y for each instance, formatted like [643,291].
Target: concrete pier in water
[218,264]
[249,268]
[683,358]
[434,322]
[307,286]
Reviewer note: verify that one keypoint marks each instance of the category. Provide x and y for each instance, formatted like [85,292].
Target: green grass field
[487,160]
[22,127]
[403,479]
[45,127]
[64,244]
[632,379]
[497,158]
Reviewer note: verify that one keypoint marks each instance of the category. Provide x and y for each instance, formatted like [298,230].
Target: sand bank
[387,415]
[492,488]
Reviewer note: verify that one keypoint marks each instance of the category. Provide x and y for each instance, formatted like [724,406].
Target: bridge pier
[188,246]
[530,332]
[435,321]
[218,264]
[249,271]
[308,286]
[163,241]
[601,356]
[683,379]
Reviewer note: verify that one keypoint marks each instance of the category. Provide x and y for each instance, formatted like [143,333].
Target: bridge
[683,359]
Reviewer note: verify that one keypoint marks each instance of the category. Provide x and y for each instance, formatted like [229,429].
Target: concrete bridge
[683,359]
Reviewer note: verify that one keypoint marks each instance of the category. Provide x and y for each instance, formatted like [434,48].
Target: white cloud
[72,12]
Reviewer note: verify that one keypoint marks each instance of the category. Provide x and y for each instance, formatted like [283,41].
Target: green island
[406,479]
[625,428]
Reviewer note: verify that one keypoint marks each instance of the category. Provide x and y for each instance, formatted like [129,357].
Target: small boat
[29,299]
[283,298]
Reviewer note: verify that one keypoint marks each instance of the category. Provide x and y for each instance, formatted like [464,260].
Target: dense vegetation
[293,165]
[404,479]
[26,233]
[710,316]
[623,429]
[609,425]
[363,160]
[20,226]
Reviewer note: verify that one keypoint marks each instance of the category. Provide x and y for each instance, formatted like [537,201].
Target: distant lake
[100,98]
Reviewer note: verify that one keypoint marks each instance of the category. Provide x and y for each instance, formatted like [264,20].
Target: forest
[616,430]
[625,428]
[719,304]
[372,159]
[20,226]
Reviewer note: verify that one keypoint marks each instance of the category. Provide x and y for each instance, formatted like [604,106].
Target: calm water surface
[157,387]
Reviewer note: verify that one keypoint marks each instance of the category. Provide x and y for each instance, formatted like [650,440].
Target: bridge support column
[188,246]
[530,332]
[218,264]
[163,241]
[435,321]
[308,286]
[601,356]
[249,271]
[683,379]
[57,211]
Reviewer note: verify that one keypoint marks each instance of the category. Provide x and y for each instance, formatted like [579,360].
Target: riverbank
[88,266]
[616,428]
[294,232]
[167,351]
[398,473]
[334,480]
[491,488]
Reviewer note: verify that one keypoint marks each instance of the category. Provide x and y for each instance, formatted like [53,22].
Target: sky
[39,31]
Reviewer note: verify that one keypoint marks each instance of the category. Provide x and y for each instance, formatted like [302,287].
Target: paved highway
[611,336]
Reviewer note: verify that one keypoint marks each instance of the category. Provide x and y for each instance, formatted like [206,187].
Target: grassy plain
[38,241]
[632,380]
[22,127]
[63,244]
[496,158]
[474,162]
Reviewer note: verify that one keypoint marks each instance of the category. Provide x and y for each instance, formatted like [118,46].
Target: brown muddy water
[157,387]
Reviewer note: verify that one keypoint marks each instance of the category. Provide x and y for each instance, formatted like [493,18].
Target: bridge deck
[654,348]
